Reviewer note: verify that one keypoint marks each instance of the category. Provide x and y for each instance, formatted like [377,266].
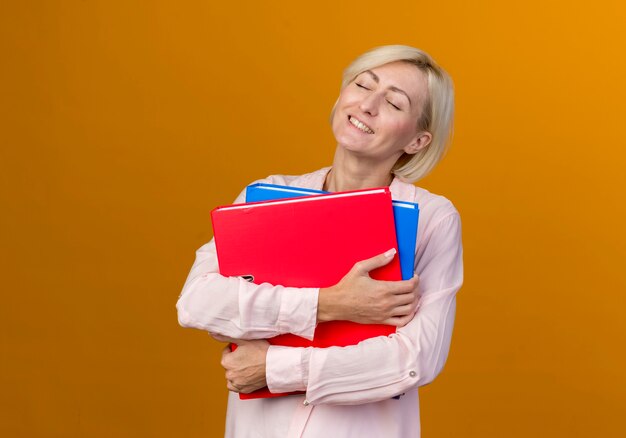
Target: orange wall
[123,125]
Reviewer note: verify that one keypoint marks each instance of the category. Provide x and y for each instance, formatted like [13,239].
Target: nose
[369,104]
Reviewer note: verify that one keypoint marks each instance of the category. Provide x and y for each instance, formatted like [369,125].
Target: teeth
[362,126]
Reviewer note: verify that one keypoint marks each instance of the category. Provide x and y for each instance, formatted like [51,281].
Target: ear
[419,142]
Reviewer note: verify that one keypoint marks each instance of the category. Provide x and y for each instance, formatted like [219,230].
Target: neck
[354,173]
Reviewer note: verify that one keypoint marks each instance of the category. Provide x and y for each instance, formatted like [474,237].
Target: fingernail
[390,253]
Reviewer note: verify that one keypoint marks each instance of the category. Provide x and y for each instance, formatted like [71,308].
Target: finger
[399,321]
[231,386]
[247,389]
[367,265]
[404,299]
[404,286]
[225,352]
[407,309]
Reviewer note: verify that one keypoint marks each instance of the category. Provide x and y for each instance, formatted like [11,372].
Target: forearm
[233,307]
[376,369]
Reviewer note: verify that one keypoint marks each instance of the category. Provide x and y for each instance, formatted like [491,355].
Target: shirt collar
[399,190]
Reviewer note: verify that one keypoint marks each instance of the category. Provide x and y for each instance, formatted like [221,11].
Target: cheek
[335,120]
[403,129]
[348,97]
[339,115]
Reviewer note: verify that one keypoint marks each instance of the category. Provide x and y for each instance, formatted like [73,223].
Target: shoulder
[431,205]
[439,220]
[434,205]
[433,209]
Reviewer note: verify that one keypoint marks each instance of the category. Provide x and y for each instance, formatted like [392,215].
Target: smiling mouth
[360,125]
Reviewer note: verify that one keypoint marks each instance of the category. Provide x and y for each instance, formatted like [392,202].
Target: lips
[360,125]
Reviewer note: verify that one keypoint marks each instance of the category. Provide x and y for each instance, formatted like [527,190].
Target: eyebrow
[392,88]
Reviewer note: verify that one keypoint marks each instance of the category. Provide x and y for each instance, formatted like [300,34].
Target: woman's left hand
[245,367]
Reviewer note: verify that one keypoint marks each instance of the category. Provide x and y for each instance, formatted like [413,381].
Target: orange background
[125,123]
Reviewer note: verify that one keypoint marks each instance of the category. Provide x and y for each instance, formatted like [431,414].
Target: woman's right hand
[360,298]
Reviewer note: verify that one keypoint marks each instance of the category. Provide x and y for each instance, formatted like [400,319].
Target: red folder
[309,242]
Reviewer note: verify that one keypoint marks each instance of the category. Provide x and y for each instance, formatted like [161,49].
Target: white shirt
[349,390]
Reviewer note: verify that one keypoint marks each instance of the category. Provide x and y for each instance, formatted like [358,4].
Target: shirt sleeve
[236,308]
[380,368]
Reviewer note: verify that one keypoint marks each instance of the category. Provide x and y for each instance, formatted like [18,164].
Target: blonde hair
[437,114]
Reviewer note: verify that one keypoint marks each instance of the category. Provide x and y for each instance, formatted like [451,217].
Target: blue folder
[406,215]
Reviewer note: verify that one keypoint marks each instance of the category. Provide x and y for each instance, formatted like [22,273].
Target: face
[376,114]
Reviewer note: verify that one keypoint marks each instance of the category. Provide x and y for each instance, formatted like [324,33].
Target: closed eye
[361,86]
[395,106]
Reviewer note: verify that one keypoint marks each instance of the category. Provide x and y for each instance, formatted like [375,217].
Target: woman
[392,122]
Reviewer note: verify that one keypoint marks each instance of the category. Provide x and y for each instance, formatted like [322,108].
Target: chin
[351,142]
[354,149]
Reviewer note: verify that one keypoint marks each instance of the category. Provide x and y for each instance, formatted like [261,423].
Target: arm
[379,368]
[357,297]
[233,307]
